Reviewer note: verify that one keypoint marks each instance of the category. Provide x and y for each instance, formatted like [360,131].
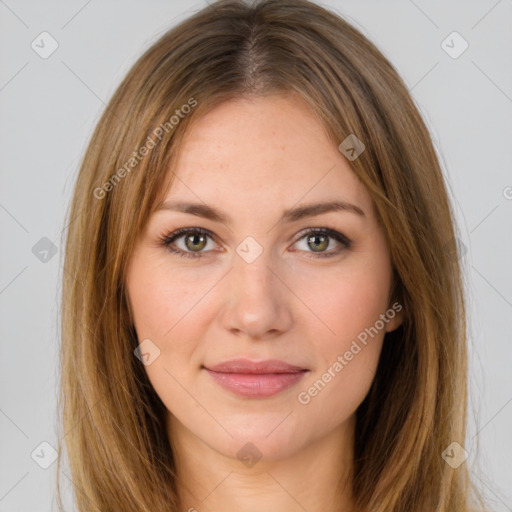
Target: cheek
[356,304]
[352,311]
[345,363]
[159,298]
[160,301]
[169,307]
[345,302]
[349,304]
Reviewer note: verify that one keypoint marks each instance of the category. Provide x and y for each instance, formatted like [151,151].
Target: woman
[263,305]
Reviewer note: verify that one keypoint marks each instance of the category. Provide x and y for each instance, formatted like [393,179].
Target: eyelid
[167,240]
[333,233]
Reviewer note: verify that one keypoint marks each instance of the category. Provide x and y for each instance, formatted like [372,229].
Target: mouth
[256,379]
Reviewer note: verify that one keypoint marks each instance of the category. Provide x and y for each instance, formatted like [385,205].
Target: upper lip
[258,367]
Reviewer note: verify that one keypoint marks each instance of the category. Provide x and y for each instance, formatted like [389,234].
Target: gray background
[49,108]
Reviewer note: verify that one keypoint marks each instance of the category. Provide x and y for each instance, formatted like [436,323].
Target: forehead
[263,153]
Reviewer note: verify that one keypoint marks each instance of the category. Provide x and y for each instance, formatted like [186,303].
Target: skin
[252,159]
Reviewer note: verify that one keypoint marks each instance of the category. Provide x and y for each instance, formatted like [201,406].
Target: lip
[255,379]
[260,367]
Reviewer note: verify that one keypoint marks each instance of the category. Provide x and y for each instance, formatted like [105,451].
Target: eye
[318,239]
[194,240]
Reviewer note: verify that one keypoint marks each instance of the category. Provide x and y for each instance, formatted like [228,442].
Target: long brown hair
[113,421]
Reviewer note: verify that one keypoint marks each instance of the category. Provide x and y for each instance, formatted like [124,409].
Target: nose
[258,302]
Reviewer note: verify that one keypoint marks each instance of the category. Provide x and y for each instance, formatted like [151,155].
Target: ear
[395,314]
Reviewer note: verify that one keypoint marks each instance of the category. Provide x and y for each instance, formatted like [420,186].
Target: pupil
[313,239]
[194,242]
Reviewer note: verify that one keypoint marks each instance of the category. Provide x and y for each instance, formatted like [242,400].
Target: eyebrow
[290,215]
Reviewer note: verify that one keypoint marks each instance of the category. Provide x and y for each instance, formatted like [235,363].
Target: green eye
[195,241]
[314,239]
[318,241]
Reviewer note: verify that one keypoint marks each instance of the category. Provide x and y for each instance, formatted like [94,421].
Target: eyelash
[167,240]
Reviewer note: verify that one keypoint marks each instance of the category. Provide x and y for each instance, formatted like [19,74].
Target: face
[309,290]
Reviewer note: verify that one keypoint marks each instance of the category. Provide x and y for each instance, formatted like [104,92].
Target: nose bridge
[252,275]
[256,302]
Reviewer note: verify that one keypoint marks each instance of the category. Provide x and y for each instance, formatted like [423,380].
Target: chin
[263,440]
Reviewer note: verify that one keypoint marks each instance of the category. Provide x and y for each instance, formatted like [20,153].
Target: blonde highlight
[114,422]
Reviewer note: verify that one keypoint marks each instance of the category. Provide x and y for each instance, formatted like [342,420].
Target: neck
[315,478]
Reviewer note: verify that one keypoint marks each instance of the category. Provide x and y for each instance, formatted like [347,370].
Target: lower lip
[256,385]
